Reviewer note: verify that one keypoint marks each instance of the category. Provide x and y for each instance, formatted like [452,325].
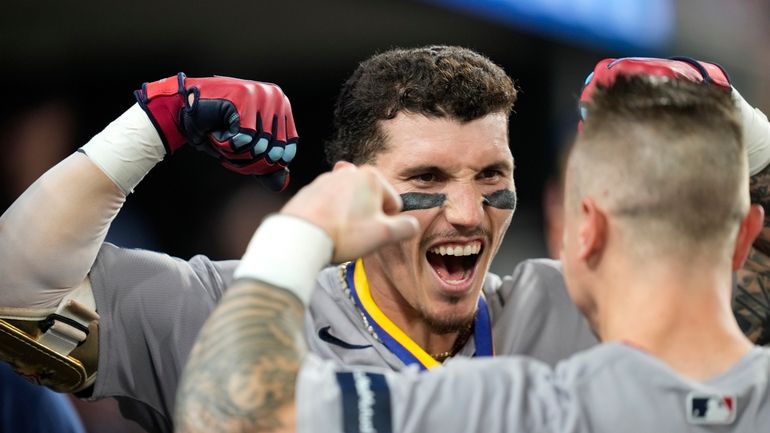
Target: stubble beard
[446,323]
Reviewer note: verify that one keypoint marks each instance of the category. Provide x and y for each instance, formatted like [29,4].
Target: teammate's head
[658,174]
[432,120]
[435,81]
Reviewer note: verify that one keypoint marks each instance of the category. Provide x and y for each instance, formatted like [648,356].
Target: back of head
[665,159]
[435,81]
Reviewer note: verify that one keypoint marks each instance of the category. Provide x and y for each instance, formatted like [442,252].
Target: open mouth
[454,262]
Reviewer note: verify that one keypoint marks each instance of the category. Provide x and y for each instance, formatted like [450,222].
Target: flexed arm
[50,237]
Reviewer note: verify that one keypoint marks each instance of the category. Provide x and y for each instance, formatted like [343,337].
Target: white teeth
[458,250]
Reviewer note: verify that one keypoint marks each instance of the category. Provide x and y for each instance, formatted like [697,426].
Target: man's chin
[448,323]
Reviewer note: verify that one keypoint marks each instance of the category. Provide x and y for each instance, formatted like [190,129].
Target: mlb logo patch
[710,408]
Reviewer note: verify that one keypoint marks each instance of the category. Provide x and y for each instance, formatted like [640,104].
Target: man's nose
[464,206]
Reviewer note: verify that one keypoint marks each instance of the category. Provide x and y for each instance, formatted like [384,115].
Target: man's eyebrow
[500,166]
[421,169]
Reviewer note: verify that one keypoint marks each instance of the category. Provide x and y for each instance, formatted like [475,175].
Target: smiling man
[444,168]
[434,122]
[456,164]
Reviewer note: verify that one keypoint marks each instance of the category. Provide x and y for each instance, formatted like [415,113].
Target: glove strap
[163,101]
[56,348]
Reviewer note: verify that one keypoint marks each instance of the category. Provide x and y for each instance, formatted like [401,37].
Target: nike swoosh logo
[324,335]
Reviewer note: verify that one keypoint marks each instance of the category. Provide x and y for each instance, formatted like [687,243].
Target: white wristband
[287,252]
[127,149]
[756,134]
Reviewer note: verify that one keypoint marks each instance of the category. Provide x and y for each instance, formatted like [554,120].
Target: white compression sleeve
[127,149]
[756,134]
[50,236]
[287,252]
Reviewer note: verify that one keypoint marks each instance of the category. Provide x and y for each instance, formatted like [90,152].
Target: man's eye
[489,174]
[425,177]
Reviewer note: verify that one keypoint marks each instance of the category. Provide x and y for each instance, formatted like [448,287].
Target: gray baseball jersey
[152,306]
[612,387]
[530,310]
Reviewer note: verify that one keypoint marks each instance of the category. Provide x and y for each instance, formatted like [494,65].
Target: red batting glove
[607,70]
[247,125]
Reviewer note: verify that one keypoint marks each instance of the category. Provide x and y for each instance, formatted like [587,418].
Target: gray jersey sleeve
[482,395]
[151,308]
[533,314]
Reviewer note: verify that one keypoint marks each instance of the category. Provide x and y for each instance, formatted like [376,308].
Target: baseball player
[657,219]
[415,303]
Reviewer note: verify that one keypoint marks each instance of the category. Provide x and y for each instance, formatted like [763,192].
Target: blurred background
[70,68]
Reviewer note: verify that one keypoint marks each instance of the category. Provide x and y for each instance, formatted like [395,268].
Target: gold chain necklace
[462,338]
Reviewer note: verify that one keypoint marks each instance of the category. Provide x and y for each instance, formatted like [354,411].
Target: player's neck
[405,317]
[680,316]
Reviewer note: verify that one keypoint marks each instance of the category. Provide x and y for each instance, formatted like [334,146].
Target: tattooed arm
[751,302]
[242,370]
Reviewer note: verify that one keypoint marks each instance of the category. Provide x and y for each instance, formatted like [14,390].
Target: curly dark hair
[435,81]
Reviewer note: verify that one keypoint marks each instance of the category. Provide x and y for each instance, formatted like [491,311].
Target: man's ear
[749,230]
[592,232]
[342,164]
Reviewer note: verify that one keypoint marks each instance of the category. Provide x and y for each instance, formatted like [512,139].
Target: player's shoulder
[335,328]
[330,283]
[113,254]
[615,360]
[330,302]
[535,278]
[756,362]
[136,266]
[543,268]
[586,365]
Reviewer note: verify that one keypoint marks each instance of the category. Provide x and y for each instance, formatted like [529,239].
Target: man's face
[437,275]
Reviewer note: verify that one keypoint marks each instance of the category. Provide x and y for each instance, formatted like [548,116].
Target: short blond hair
[666,158]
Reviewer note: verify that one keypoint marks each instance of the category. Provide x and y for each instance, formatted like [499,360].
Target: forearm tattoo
[759,189]
[242,370]
[751,303]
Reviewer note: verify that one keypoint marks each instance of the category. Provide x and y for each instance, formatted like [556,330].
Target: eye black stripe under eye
[421,200]
[501,199]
